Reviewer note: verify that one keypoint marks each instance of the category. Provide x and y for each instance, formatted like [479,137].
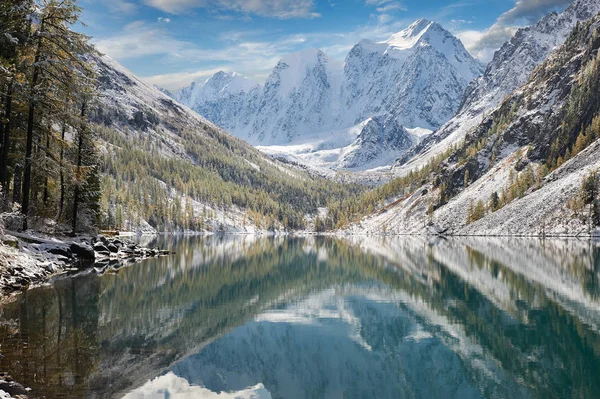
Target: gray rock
[100,247]
[83,251]
[61,251]
[13,221]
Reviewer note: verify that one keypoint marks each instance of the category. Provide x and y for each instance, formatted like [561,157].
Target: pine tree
[494,201]
[15,16]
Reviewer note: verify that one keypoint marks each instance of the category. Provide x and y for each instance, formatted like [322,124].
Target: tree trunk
[30,120]
[46,194]
[78,170]
[17,184]
[28,150]
[61,202]
[4,180]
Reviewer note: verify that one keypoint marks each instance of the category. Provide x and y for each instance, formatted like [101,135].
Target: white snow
[172,386]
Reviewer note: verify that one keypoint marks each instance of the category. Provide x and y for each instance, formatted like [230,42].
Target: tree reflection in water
[498,317]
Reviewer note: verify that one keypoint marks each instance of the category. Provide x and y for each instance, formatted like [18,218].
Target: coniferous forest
[49,165]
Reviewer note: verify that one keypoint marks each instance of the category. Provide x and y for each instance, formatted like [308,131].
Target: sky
[171,43]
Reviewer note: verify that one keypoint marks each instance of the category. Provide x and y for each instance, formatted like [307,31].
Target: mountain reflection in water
[318,317]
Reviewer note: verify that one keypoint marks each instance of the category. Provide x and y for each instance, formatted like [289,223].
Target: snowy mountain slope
[310,108]
[178,160]
[235,90]
[371,144]
[417,75]
[297,100]
[537,128]
[510,68]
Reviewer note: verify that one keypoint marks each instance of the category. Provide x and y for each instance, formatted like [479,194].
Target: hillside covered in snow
[510,68]
[360,115]
[529,168]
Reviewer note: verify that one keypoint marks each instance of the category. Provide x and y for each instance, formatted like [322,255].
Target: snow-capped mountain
[513,64]
[314,110]
[224,99]
[297,99]
[548,129]
[510,68]
[418,76]
[379,140]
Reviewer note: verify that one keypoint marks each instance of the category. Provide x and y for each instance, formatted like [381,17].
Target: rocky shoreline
[27,260]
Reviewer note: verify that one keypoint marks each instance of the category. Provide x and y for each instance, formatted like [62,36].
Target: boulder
[61,251]
[12,388]
[12,221]
[112,248]
[83,251]
[101,249]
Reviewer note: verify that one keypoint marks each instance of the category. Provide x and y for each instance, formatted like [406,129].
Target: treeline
[48,162]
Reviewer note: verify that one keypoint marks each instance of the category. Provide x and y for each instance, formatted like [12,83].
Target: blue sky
[174,42]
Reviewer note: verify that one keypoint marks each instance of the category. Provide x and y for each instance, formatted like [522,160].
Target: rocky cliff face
[510,68]
[418,76]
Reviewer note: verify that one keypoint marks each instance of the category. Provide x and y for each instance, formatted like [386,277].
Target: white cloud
[121,6]
[282,9]
[386,6]
[390,7]
[164,20]
[483,44]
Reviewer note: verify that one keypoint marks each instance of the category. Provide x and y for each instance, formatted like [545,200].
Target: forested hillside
[85,145]
[164,164]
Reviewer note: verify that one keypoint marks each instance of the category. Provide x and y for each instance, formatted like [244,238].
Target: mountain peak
[231,82]
[410,36]
[304,57]
[418,26]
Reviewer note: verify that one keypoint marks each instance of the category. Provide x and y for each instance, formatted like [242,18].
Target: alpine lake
[317,317]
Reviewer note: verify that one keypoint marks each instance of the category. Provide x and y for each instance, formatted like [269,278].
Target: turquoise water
[318,318]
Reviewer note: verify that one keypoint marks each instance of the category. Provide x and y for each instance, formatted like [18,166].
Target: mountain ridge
[311,102]
[510,68]
[529,168]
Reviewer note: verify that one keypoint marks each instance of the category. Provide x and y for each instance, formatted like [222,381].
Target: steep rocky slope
[521,170]
[315,112]
[510,68]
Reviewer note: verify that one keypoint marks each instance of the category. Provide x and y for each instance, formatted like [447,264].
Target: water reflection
[295,318]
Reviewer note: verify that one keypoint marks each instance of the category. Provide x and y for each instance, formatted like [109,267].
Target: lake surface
[318,318]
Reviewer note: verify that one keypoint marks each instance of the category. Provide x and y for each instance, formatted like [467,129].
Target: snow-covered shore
[29,259]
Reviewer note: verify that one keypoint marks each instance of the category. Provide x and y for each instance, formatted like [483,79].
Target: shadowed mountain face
[295,318]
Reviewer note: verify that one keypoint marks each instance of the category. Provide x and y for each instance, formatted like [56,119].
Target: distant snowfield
[330,150]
